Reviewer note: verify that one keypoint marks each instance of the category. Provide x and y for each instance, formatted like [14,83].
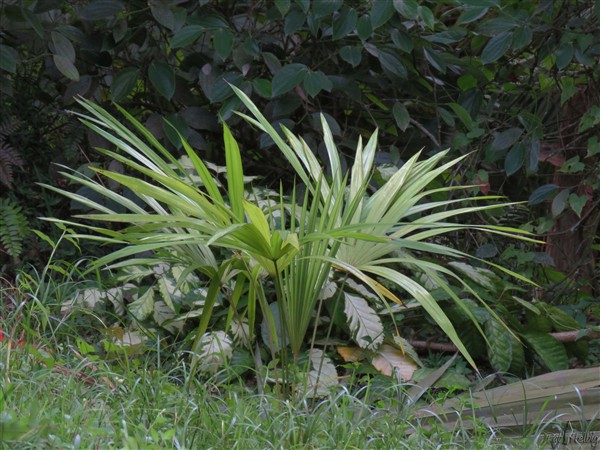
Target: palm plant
[335,226]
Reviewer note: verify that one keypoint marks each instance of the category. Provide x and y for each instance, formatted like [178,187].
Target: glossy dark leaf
[187,36]
[402,40]
[426,16]
[435,59]
[543,193]
[446,37]
[8,58]
[564,56]
[344,23]
[559,203]
[351,54]
[401,116]
[294,20]
[66,67]
[287,78]
[514,159]
[324,8]
[223,42]
[163,15]
[283,6]
[364,27]
[390,62]
[62,46]
[496,47]
[315,82]
[262,87]
[522,37]
[101,9]
[506,138]
[162,78]
[381,12]
[407,8]
[471,14]
[123,83]
[200,118]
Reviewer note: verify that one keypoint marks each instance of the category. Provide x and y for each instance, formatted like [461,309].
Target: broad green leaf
[522,37]
[427,16]
[8,58]
[390,62]
[590,119]
[364,27]
[551,352]
[187,36]
[351,54]
[435,59]
[62,46]
[283,6]
[66,67]
[344,23]
[365,325]
[496,47]
[101,9]
[315,82]
[401,115]
[324,8]
[577,203]
[288,77]
[123,83]
[542,193]
[402,40]
[506,138]
[514,159]
[568,90]
[593,146]
[390,361]
[223,42]
[463,115]
[407,8]
[262,87]
[559,203]
[381,12]
[564,55]
[162,78]
[294,20]
[471,14]
[500,343]
[143,307]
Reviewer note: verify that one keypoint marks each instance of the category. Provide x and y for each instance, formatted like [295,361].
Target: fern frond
[13,227]
[9,157]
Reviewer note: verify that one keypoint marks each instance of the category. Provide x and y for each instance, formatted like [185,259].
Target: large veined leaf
[393,361]
[500,343]
[551,352]
[143,306]
[213,349]
[365,324]
[322,377]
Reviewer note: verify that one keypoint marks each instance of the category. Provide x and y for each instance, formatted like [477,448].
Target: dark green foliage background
[511,81]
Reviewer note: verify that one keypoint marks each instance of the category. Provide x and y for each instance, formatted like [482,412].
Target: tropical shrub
[246,264]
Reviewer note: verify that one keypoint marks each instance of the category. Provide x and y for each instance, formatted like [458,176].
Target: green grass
[83,404]
[55,395]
